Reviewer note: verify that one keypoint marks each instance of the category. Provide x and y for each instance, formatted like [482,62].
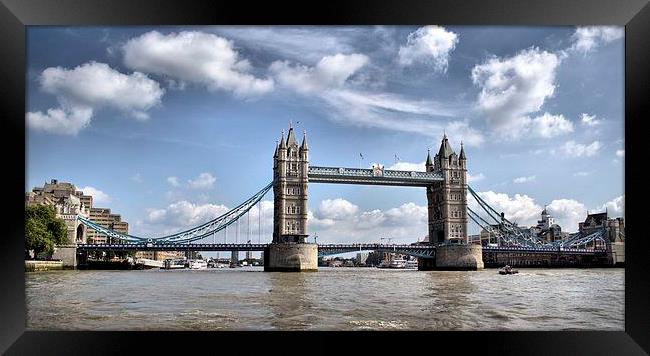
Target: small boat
[508,270]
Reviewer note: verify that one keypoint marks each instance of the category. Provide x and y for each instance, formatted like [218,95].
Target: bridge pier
[454,258]
[290,257]
[67,254]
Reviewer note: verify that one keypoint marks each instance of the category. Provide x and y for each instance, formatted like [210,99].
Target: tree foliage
[43,229]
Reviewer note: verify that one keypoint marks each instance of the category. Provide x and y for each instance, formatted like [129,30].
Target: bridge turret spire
[445,150]
[429,161]
[275,155]
[303,146]
[462,152]
[283,143]
[291,138]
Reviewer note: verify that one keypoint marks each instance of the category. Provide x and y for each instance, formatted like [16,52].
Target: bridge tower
[289,251]
[447,200]
[447,208]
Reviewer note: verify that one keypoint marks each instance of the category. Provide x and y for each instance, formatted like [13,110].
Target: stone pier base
[291,257]
[67,255]
[459,257]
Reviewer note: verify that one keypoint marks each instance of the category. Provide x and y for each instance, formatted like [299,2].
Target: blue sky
[171,126]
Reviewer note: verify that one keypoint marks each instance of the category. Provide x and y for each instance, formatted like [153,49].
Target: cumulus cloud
[203,181]
[589,120]
[587,39]
[516,86]
[60,121]
[520,209]
[573,149]
[616,206]
[88,87]
[338,220]
[184,213]
[336,209]
[567,213]
[99,197]
[620,153]
[195,57]
[548,126]
[173,181]
[429,45]
[330,72]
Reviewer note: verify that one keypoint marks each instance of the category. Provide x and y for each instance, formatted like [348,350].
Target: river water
[331,299]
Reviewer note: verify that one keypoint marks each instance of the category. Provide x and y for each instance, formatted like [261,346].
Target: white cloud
[567,213]
[99,196]
[195,57]
[620,153]
[430,45]
[573,149]
[59,121]
[173,181]
[521,209]
[587,39]
[330,72]
[471,178]
[88,87]
[515,86]
[548,126]
[615,207]
[336,209]
[407,166]
[520,180]
[589,120]
[203,181]
[338,220]
[184,213]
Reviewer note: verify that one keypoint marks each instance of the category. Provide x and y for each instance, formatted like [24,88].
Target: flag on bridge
[360,155]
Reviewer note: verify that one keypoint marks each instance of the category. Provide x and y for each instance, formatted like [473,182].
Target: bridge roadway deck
[421,250]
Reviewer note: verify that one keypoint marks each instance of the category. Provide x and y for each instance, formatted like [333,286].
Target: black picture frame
[633,14]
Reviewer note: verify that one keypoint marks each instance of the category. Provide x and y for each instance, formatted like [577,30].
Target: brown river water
[330,299]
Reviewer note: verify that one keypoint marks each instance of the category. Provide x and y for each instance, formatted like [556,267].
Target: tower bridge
[445,183]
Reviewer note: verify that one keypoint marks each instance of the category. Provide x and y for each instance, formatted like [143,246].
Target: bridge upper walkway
[344,175]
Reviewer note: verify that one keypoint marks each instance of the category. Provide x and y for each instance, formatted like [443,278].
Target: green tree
[43,229]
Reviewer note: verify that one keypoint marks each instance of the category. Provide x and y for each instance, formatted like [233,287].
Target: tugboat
[508,270]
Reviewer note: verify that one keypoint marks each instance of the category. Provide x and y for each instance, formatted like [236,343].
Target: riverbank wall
[37,266]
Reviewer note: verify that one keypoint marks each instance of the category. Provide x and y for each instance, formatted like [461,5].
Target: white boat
[412,264]
[198,264]
[395,263]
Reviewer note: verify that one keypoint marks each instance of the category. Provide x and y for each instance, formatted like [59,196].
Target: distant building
[103,217]
[598,221]
[546,228]
[161,255]
[68,204]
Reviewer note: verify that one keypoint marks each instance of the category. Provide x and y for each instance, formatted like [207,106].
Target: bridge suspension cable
[509,234]
[196,233]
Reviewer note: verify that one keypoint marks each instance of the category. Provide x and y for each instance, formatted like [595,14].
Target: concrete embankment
[35,266]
